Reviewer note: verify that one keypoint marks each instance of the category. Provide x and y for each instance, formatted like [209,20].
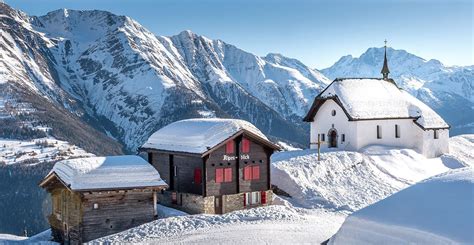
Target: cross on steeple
[385,71]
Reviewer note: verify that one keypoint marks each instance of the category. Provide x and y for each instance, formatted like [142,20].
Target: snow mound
[176,226]
[348,181]
[366,98]
[436,211]
[198,135]
[107,172]
[461,151]
[40,238]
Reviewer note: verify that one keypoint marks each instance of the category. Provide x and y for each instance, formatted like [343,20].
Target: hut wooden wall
[161,162]
[214,161]
[259,155]
[117,211]
[66,210]
[184,181]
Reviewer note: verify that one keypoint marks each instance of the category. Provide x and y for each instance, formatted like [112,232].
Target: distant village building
[352,113]
[212,166]
[98,196]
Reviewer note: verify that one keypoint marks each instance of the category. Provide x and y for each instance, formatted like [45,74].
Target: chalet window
[333,112]
[227,174]
[174,198]
[255,172]
[435,134]
[343,137]
[223,175]
[263,197]
[397,131]
[219,175]
[379,132]
[229,147]
[245,145]
[252,172]
[197,176]
[252,198]
[96,206]
[322,137]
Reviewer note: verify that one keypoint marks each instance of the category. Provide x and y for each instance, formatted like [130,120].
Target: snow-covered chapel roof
[199,135]
[112,172]
[372,98]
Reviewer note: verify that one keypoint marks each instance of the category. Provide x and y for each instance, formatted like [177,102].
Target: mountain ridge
[131,82]
[449,90]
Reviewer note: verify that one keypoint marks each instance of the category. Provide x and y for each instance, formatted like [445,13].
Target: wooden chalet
[212,166]
[98,196]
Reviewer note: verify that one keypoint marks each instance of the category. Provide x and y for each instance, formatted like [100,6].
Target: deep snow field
[435,211]
[322,193]
[38,150]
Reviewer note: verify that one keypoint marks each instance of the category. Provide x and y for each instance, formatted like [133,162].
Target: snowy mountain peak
[442,87]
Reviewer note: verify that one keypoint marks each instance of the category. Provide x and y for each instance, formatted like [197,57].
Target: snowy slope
[112,70]
[272,224]
[449,90]
[351,180]
[38,151]
[435,211]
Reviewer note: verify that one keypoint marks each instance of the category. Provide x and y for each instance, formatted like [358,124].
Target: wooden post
[319,147]
[155,200]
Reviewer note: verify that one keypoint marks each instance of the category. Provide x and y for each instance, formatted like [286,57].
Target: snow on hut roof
[198,135]
[112,172]
[371,98]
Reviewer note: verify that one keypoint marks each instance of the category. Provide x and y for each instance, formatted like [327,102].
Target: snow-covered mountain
[119,77]
[449,90]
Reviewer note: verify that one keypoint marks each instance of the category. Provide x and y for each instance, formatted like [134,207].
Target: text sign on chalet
[232,158]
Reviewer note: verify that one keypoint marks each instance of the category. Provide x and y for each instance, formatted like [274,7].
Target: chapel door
[333,139]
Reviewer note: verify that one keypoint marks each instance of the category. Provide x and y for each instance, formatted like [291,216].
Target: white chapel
[352,113]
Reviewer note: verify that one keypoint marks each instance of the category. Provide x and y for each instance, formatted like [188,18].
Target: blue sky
[315,32]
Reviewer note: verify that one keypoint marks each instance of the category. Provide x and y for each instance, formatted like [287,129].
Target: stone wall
[195,204]
[189,203]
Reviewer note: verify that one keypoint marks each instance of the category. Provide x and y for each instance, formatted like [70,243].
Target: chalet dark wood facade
[83,215]
[233,175]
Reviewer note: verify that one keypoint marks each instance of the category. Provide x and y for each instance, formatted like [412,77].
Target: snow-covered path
[272,225]
[318,226]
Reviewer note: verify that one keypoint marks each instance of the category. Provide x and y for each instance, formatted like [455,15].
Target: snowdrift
[436,211]
[349,181]
[176,226]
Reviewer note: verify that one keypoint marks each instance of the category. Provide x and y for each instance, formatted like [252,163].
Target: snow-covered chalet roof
[199,135]
[372,98]
[112,172]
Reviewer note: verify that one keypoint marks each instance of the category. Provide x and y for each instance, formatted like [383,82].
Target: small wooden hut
[212,165]
[98,196]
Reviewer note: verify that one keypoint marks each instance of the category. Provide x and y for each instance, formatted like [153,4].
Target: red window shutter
[227,174]
[245,145]
[174,199]
[256,172]
[197,176]
[229,147]
[247,173]
[263,197]
[219,175]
